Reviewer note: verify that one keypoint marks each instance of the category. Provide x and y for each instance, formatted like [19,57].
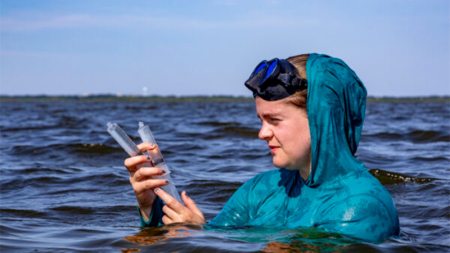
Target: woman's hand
[142,178]
[175,212]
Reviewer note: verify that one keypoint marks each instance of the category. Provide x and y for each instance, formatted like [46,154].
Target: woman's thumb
[190,203]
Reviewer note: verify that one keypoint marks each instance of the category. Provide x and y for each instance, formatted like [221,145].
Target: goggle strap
[285,78]
[292,82]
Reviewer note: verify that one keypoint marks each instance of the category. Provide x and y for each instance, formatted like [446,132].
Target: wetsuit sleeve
[155,219]
[235,213]
[361,217]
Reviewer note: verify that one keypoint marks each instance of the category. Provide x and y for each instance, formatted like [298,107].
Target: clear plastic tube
[158,161]
[146,136]
[122,138]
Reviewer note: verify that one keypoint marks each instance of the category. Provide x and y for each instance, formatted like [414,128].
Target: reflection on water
[244,239]
[150,236]
[63,186]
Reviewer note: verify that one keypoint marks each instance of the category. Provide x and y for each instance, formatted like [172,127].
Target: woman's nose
[265,133]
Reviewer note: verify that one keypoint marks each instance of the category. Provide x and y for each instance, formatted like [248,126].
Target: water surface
[63,186]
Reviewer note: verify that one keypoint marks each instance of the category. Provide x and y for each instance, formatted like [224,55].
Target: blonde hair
[299,98]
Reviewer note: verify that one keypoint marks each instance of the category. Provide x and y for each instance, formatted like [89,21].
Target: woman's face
[285,128]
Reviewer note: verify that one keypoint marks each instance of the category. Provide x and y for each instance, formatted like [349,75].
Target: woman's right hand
[143,178]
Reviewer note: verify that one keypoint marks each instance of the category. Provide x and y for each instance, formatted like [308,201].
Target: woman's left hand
[175,212]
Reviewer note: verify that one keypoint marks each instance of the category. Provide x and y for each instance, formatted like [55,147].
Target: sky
[67,47]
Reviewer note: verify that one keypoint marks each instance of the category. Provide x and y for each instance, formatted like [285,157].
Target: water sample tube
[122,138]
[158,161]
[146,136]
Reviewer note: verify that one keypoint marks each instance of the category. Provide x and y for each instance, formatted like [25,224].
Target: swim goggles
[275,79]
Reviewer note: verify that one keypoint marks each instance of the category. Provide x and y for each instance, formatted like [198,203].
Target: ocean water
[63,186]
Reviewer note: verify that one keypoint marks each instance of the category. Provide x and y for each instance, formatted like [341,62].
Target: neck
[305,170]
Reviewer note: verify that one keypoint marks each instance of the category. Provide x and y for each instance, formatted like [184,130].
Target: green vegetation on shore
[113,98]
[197,99]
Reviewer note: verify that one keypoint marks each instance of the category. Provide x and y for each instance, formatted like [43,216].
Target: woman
[311,109]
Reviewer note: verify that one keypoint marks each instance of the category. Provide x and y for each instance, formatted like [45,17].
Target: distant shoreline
[168,99]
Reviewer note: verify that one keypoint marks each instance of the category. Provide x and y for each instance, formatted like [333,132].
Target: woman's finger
[170,213]
[147,172]
[166,220]
[132,162]
[169,200]
[151,149]
[146,146]
[190,203]
[147,184]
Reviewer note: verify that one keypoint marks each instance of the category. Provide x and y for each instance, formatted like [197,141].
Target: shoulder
[367,195]
[364,185]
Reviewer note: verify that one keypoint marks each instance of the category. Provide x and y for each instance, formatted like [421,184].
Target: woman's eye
[274,120]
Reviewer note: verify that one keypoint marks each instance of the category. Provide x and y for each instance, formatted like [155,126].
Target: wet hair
[299,98]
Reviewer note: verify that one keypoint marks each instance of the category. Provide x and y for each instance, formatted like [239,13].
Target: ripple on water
[77,148]
[415,136]
[64,187]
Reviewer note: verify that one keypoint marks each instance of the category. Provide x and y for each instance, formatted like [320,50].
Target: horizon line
[93,95]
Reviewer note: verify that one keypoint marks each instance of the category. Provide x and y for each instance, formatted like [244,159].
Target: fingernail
[167,181]
[156,190]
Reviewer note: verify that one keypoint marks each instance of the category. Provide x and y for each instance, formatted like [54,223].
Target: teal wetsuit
[340,195]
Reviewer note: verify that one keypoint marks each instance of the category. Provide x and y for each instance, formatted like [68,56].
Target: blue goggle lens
[267,66]
[274,79]
[270,69]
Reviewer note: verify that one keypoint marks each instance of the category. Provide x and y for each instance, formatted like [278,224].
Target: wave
[23,213]
[74,209]
[428,136]
[28,128]
[416,136]
[387,177]
[228,129]
[77,148]
[48,170]
[59,183]
[93,148]
[238,131]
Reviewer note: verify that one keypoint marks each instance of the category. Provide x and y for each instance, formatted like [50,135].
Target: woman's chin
[279,164]
[283,165]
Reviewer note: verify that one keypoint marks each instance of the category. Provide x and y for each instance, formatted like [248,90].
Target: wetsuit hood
[336,104]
